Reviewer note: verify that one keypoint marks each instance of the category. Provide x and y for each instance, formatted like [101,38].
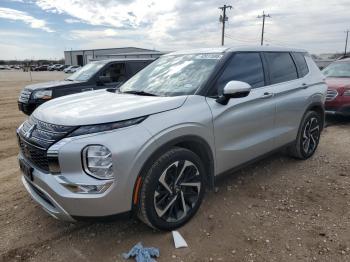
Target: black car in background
[41,68]
[95,75]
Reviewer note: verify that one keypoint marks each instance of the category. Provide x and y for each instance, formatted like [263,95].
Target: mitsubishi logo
[29,133]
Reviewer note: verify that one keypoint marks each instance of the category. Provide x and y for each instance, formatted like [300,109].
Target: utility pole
[263,16]
[346,41]
[223,19]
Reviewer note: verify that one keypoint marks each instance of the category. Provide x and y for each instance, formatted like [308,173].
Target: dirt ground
[279,209]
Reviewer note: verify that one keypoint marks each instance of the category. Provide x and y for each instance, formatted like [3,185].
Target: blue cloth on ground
[142,254]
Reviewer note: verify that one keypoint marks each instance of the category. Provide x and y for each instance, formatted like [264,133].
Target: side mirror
[103,79]
[234,89]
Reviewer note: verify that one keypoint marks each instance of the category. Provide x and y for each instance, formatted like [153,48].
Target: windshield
[173,75]
[86,72]
[338,69]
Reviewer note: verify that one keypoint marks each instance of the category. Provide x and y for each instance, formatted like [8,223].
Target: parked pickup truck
[95,75]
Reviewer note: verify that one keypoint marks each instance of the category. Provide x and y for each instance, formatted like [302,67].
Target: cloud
[72,21]
[12,14]
[13,34]
[93,34]
[130,14]
[180,24]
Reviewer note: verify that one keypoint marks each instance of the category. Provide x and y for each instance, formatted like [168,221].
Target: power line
[276,41]
[245,37]
[239,39]
[223,19]
[346,41]
[263,16]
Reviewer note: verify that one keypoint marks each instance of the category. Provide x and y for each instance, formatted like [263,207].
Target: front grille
[24,96]
[331,95]
[35,137]
[35,155]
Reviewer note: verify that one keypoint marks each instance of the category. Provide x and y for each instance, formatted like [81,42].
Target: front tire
[308,136]
[172,189]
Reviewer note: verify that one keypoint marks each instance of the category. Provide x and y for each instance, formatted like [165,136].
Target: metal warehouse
[82,57]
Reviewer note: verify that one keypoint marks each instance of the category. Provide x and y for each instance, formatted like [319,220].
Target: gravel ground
[278,209]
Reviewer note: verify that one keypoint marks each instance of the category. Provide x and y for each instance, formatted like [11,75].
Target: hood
[100,106]
[338,82]
[50,84]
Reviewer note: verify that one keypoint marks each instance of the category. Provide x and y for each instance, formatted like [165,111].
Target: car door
[244,128]
[289,95]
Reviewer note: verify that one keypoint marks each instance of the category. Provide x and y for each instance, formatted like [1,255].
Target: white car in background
[71,69]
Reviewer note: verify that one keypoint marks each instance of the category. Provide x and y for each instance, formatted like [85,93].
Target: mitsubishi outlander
[154,146]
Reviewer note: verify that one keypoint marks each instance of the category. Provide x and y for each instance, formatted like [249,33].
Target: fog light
[97,161]
[83,188]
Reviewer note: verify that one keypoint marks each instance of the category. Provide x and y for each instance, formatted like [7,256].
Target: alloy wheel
[311,135]
[177,191]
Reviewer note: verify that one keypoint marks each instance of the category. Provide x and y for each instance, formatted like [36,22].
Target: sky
[44,29]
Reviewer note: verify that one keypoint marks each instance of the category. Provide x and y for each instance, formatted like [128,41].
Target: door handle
[267,95]
[304,85]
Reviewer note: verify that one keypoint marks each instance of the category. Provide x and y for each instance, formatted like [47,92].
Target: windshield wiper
[67,79]
[140,93]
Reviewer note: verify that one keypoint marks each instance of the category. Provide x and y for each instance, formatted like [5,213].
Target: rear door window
[245,67]
[301,64]
[281,67]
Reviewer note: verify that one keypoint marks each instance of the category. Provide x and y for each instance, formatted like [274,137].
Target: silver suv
[154,146]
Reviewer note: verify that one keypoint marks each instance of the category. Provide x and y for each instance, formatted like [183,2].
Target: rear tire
[172,189]
[308,136]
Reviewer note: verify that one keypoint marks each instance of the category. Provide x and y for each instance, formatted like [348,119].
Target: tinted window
[301,64]
[134,67]
[245,67]
[86,72]
[281,66]
[116,72]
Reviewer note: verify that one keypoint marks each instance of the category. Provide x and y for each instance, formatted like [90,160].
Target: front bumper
[50,192]
[46,201]
[340,105]
[59,200]
[341,110]
[27,108]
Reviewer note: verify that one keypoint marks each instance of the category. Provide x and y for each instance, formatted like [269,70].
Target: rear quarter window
[300,61]
[281,67]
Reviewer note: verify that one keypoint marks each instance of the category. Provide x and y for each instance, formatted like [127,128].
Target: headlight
[42,94]
[97,161]
[84,130]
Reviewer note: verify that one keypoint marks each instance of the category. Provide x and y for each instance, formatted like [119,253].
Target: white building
[82,57]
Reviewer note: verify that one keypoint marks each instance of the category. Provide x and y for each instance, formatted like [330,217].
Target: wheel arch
[319,108]
[193,143]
